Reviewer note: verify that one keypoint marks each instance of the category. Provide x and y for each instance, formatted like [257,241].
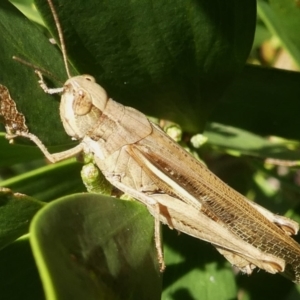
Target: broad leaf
[93,247]
[195,270]
[241,142]
[16,212]
[282,17]
[18,272]
[22,38]
[48,182]
[169,61]
[264,101]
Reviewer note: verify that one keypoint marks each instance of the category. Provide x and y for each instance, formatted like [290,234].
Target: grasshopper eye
[82,103]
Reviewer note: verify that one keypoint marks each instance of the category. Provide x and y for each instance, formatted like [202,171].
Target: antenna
[37,68]
[61,37]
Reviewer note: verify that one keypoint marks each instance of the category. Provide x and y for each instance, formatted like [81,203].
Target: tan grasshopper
[138,158]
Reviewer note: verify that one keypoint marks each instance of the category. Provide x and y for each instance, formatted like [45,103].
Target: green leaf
[167,60]
[92,247]
[28,9]
[262,34]
[264,101]
[48,182]
[13,154]
[282,18]
[18,272]
[241,142]
[22,38]
[261,286]
[16,212]
[195,270]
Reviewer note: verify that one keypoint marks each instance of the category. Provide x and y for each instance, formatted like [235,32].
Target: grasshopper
[138,158]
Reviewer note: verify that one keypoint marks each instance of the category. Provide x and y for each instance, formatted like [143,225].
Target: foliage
[178,60]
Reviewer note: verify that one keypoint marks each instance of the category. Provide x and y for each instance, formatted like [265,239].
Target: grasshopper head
[82,103]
